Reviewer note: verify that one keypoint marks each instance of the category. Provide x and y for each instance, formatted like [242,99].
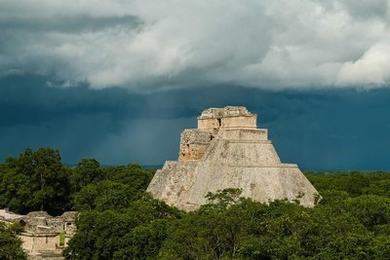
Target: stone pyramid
[227,150]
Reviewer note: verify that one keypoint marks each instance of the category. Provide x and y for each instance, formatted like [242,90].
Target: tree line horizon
[119,220]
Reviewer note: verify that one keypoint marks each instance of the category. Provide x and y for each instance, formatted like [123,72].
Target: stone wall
[194,143]
[227,117]
[239,122]
[244,134]
[43,236]
[209,123]
[36,243]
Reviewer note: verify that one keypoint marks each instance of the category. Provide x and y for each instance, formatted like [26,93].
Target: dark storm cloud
[367,8]
[344,129]
[29,100]
[77,24]
[119,80]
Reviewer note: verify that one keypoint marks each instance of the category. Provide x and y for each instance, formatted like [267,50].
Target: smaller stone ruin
[43,236]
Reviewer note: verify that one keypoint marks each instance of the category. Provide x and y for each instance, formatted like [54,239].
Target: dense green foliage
[10,244]
[38,180]
[118,220]
[351,221]
[35,180]
[108,234]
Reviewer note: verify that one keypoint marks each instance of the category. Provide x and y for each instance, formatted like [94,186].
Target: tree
[104,195]
[15,191]
[105,234]
[224,198]
[134,175]
[371,210]
[118,220]
[87,171]
[42,182]
[10,244]
[345,224]
[144,241]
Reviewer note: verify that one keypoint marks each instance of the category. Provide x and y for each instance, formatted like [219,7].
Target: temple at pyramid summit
[227,150]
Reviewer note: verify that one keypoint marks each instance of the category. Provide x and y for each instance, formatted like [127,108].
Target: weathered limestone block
[239,122]
[193,144]
[228,151]
[228,117]
[209,123]
[245,134]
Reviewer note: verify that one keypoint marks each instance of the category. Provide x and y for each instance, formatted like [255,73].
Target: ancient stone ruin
[227,150]
[43,236]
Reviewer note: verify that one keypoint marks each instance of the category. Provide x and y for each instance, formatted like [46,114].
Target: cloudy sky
[118,80]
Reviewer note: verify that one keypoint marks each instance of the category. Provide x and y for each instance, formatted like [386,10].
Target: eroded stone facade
[43,236]
[227,150]
[194,142]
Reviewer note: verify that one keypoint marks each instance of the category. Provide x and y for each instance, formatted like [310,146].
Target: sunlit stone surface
[227,150]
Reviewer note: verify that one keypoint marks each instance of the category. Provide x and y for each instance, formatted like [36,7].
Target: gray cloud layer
[145,44]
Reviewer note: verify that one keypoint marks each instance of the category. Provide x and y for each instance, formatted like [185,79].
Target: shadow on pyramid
[227,150]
